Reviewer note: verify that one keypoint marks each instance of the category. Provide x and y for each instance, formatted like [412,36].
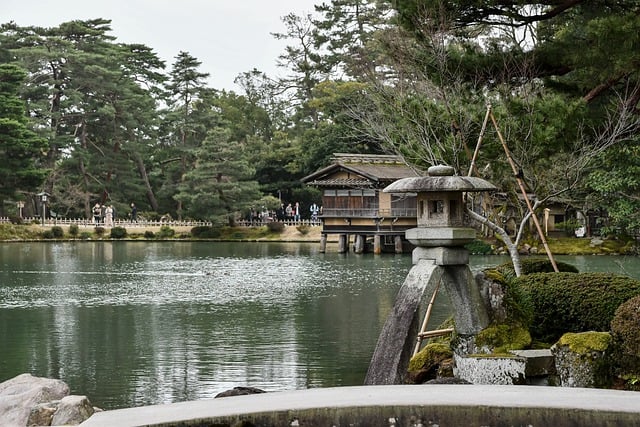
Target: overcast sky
[228,37]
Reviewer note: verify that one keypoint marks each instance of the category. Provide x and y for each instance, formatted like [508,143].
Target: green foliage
[99,231]
[221,183]
[47,234]
[479,247]
[275,227]
[85,235]
[74,230]
[205,232]
[625,330]
[536,265]
[21,149]
[118,233]
[166,232]
[570,302]
[57,232]
[149,234]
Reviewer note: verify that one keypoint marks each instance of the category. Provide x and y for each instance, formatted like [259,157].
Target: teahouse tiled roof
[371,170]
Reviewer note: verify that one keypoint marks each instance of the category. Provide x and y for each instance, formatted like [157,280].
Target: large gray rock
[32,401]
[72,410]
[24,392]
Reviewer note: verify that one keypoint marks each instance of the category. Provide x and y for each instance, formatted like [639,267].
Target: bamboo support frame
[524,193]
[423,328]
[435,333]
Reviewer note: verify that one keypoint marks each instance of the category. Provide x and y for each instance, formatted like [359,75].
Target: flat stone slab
[539,362]
[398,405]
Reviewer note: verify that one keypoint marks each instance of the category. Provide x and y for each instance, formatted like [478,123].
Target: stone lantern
[441,230]
[439,258]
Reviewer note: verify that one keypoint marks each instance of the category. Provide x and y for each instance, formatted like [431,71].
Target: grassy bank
[30,232]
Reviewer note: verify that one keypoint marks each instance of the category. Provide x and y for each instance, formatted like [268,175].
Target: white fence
[83,222]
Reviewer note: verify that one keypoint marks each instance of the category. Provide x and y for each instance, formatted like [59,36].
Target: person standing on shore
[108,216]
[134,213]
[96,214]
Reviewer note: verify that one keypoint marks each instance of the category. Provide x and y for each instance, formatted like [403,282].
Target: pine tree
[21,149]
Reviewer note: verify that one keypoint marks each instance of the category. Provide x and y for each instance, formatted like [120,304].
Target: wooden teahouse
[353,203]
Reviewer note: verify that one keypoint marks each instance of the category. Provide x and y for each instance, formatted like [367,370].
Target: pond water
[140,323]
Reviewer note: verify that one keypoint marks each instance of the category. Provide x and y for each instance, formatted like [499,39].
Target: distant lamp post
[20,205]
[43,198]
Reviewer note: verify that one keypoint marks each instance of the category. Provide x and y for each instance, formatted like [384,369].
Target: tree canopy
[89,119]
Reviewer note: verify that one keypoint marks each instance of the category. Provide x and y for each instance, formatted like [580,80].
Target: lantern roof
[439,178]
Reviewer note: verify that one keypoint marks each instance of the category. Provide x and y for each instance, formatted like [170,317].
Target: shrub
[118,233]
[166,231]
[570,302]
[479,247]
[85,235]
[74,230]
[304,229]
[47,234]
[149,234]
[57,232]
[99,231]
[205,232]
[625,330]
[536,265]
[16,220]
[275,227]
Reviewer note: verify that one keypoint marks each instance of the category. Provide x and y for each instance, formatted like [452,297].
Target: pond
[140,323]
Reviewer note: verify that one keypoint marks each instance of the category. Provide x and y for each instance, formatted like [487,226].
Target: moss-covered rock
[434,360]
[584,359]
[586,342]
[501,338]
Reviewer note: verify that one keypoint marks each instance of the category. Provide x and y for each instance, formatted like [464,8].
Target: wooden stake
[524,194]
[423,328]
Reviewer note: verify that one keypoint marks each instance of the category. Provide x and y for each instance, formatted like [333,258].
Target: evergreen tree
[346,31]
[221,183]
[182,133]
[20,148]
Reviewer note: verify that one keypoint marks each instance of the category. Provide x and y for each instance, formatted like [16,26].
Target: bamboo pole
[477,150]
[524,194]
[435,333]
[423,328]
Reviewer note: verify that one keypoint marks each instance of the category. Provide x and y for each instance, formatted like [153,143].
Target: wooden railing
[370,213]
[288,222]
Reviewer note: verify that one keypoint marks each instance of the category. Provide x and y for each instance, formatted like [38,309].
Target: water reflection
[137,323]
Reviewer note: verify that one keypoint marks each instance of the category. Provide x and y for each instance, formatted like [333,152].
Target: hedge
[570,302]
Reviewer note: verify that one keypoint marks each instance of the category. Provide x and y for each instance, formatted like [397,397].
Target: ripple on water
[213,280]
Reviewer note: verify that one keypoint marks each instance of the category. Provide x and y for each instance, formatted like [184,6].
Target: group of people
[106,214]
[293,212]
[290,212]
